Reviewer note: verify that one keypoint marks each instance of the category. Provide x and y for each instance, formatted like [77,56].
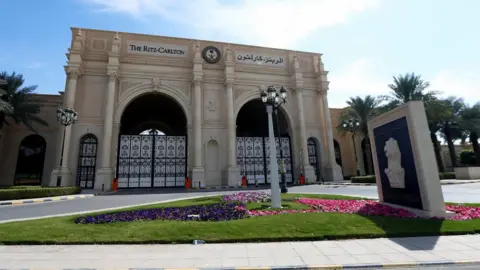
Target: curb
[221,187]
[333,266]
[43,200]
[370,184]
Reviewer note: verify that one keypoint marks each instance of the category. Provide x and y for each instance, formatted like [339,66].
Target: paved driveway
[465,193]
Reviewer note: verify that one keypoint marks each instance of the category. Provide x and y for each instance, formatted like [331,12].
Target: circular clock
[211,54]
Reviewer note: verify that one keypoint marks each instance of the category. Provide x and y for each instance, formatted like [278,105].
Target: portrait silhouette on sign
[394,171]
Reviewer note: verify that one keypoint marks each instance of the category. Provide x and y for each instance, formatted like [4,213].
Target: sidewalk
[443,182]
[320,254]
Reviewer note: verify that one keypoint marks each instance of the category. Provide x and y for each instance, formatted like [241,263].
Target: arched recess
[212,163]
[253,147]
[156,87]
[87,161]
[152,160]
[338,153]
[367,157]
[313,146]
[30,160]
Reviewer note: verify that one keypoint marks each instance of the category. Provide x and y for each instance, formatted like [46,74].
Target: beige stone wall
[14,134]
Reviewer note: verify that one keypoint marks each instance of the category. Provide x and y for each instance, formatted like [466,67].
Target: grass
[291,227]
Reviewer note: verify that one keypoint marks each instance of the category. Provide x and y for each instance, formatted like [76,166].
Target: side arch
[161,88]
[30,160]
[251,95]
[87,161]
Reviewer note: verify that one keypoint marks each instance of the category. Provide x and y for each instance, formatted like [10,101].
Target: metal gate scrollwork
[151,161]
[87,160]
[254,162]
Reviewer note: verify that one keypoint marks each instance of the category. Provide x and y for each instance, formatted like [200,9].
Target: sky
[364,42]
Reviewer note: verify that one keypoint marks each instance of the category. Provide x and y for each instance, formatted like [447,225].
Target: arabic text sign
[156,49]
[258,59]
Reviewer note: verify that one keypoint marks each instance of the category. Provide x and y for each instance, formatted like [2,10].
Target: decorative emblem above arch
[156,85]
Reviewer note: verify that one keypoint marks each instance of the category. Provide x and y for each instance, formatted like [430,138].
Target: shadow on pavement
[414,234]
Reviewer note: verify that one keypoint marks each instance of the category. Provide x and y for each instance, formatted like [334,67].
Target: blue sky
[364,42]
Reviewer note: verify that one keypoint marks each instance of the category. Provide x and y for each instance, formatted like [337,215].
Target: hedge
[12,193]
[370,179]
[468,158]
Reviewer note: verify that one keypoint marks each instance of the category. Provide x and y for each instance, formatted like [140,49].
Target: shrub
[13,193]
[347,177]
[368,179]
[467,158]
[447,175]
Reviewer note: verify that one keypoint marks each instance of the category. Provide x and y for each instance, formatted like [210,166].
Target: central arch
[253,146]
[153,143]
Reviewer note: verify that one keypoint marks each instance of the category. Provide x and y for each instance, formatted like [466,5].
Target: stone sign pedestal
[404,161]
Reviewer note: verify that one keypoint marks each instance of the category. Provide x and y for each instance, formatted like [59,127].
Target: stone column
[198,172]
[233,171]
[104,174]
[69,101]
[308,170]
[332,171]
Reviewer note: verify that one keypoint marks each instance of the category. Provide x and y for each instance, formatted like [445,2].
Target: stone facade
[107,71]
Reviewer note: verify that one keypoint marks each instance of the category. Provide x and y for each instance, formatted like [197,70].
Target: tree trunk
[438,152]
[476,149]
[451,147]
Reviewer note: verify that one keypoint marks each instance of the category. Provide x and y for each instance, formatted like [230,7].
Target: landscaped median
[241,217]
[31,192]
[370,179]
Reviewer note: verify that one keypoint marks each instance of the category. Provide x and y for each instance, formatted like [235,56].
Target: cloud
[35,65]
[359,78]
[275,23]
[366,77]
[464,85]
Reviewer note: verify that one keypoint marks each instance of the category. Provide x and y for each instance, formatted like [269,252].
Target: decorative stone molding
[212,106]
[197,81]
[112,77]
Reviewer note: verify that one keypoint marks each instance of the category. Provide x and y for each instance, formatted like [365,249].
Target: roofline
[185,39]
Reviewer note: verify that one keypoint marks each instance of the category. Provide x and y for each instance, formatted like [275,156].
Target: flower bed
[233,207]
[212,212]
[247,197]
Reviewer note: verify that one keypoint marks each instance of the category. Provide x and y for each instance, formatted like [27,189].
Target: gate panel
[146,161]
[312,155]
[123,161]
[159,163]
[151,161]
[180,161]
[253,158]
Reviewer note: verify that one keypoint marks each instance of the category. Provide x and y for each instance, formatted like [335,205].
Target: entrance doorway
[253,147]
[313,157]
[30,160]
[152,149]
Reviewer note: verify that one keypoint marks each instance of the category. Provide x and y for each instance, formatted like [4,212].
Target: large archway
[30,160]
[153,143]
[253,148]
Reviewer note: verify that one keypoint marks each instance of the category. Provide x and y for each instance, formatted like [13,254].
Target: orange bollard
[188,183]
[244,181]
[301,179]
[115,184]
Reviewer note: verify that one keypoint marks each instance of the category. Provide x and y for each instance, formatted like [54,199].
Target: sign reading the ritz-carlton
[156,49]
[259,59]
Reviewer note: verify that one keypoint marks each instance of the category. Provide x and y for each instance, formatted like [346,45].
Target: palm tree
[5,107]
[362,110]
[449,126]
[411,87]
[24,107]
[470,123]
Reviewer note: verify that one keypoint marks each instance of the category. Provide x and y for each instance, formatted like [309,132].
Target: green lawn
[312,226]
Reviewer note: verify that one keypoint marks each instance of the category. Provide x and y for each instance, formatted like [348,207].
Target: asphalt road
[464,193]
[439,267]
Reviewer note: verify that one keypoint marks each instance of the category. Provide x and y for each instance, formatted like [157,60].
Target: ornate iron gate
[151,161]
[87,160]
[254,162]
[312,155]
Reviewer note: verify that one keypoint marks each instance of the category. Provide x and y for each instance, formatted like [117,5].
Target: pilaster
[297,81]
[333,172]
[198,171]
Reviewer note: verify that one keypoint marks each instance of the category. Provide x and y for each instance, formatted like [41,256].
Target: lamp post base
[283,183]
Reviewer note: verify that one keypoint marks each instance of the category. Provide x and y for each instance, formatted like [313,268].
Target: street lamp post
[352,125]
[273,100]
[65,117]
